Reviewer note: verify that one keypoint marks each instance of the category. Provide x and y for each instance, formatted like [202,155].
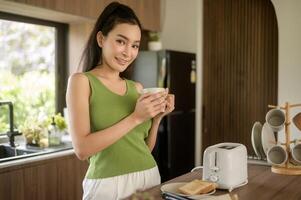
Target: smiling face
[120,47]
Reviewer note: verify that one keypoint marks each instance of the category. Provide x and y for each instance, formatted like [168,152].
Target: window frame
[61,54]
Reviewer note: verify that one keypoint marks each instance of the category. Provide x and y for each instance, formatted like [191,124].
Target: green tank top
[128,154]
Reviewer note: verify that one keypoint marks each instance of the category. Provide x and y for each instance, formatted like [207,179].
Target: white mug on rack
[296,153]
[277,155]
[275,118]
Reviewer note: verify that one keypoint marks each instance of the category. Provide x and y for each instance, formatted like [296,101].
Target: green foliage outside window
[26,71]
[32,96]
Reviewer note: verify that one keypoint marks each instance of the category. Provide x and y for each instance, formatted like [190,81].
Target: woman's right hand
[149,105]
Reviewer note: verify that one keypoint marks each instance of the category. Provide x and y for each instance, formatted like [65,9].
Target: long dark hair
[113,14]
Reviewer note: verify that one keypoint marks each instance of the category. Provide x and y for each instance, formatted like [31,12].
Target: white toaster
[226,164]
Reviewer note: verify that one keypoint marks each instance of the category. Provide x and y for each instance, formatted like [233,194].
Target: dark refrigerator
[175,147]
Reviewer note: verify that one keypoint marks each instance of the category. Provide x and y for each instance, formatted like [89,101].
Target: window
[32,67]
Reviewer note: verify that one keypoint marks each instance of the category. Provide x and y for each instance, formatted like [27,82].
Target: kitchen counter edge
[41,157]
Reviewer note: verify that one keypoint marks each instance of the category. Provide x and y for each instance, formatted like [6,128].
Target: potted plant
[154,43]
[56,129]
[35,132]
[44,132]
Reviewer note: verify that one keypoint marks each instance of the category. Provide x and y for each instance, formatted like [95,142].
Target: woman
[111,124]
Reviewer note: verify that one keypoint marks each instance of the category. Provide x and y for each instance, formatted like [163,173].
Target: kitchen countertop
[263,185]
[41,154]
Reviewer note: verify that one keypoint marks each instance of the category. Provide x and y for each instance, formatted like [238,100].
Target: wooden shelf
[289,170]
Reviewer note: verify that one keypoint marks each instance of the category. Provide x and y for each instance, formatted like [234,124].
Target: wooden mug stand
[288,168]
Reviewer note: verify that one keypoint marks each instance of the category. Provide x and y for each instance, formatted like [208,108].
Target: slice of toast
[197,187]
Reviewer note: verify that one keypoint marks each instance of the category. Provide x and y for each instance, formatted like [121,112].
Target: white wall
[78,36]
[289,79]
[289,26]
[199,85]
[179,25]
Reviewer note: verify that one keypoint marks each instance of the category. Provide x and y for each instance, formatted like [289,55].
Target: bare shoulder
[78,82]
[139,86]
[78,79]
[81,77]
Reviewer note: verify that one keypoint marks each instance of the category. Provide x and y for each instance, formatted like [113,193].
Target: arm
[152,136]
[86,144]
[169,106]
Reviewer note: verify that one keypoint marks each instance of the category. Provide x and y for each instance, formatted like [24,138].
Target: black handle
[171,196]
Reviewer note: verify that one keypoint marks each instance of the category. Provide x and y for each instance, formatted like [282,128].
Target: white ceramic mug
[296,153]
[275,118]
[277,155]
[152,90]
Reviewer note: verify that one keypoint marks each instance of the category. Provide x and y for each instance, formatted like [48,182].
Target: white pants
[120,187]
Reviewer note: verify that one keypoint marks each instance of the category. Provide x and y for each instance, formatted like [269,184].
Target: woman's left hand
[170,106]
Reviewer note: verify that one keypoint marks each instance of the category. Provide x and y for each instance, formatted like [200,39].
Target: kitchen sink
[8,151]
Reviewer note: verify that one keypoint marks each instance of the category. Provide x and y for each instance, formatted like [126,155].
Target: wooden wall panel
[147,11]
[240,63]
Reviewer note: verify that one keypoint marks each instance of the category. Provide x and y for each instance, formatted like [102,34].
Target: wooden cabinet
[40,181]
[58,178]
[72,171]
[147,11]
[11,185]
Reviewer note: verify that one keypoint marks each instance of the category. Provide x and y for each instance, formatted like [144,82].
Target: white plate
[256,139]
[267,138]
[173,188]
